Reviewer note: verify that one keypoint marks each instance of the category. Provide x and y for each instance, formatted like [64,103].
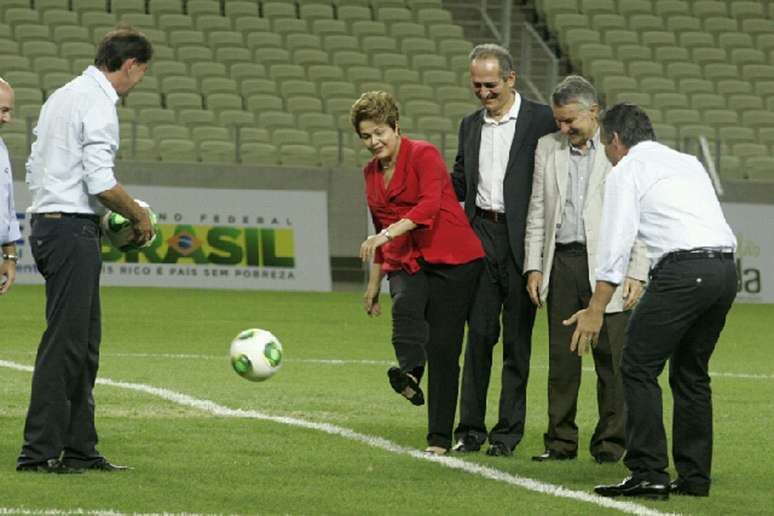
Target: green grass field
[189,458]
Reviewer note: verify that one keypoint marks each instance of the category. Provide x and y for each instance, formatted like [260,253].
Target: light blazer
[533,121]
[549,184]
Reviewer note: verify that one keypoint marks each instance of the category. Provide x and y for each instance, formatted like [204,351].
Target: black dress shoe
[679,487]
[406,386]
[606,458]
[553,455]
[498,449]
[105,465]
[50,466]
[467,444]
[633,487]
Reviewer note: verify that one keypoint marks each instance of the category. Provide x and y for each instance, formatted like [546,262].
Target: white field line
[85,512]
[333,361]
[373,441]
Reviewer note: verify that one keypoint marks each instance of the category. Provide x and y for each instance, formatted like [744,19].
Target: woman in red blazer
[430,254]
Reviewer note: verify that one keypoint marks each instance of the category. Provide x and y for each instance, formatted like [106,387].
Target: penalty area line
[488,472]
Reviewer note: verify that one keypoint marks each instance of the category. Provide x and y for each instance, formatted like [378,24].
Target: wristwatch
[11,257]
[386,234]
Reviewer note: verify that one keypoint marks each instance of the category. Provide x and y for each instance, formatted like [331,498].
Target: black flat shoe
[498,449]
[679,487]
[105,465]
[50,466]
[406,386]
[550,455]
[467,444]
[632,487]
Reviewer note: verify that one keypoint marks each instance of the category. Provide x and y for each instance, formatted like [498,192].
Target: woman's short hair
[121,44]
[377,106]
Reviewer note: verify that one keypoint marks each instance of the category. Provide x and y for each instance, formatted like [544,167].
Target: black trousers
[679,319]
[501,290]
[60,419]
[569,291]
[429,309]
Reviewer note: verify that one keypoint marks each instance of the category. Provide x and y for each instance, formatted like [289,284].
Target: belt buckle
[52,215]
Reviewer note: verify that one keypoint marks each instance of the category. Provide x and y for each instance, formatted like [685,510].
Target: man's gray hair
[493,51]
[574,89]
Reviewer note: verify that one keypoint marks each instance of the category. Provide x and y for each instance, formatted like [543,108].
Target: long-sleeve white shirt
[665,198]
[77,138]
[496,140]
[9,224]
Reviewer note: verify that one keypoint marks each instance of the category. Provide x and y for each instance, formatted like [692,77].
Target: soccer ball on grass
[256,354]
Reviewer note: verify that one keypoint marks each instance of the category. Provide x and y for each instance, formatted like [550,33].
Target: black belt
[493,216]
[695,254]
[571,247]
[61,215]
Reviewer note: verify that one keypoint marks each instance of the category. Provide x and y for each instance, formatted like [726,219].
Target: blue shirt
[9,224]
[77,138]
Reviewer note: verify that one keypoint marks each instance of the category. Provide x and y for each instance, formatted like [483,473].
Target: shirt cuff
[99,181]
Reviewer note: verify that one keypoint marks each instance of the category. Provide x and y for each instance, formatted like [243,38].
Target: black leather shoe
[467,444]
[406,386]
[498,449]
[679,487]
[105,465]
[605,458]
[553,455]
[633,487]
[50,466]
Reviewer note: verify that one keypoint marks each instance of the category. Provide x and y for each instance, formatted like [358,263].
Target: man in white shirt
[9,224]
[70,176]
[666,199]
[560,255]
[492,175]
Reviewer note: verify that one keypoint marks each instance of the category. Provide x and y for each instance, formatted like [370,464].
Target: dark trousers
[679,319]
[501,289]
[569,291]
[429,309]
[60,419]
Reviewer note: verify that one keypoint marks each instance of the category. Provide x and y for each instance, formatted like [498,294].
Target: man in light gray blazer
[560,258]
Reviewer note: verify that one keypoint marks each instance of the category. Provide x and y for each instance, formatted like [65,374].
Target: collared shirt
[77,139]
[666,198]
[572,229]
[9,224]
[496,140]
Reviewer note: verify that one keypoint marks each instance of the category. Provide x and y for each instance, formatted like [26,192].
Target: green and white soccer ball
[256,354]
[118,230]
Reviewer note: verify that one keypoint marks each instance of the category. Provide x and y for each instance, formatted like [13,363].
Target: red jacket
[420,190]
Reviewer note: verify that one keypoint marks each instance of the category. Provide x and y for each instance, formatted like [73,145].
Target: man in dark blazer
[493,176]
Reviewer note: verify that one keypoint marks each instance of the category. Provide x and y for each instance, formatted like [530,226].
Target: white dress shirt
[496,140]
[77,138]
[9,224]
[666,198]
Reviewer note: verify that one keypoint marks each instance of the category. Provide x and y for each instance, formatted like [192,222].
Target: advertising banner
[239,239]
[752,225]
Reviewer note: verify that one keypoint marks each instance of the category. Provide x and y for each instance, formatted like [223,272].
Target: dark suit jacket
[534,120]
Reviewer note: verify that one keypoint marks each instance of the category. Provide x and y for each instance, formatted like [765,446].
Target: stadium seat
[679,23]
[439,78]
[668,54]
[258,153]
[91,19]
[353,13]
[178,101]
[317,11]
[707,101]
[283,136]
[669,8]
[157,116]
[302,40]
[412,46]
[57,18]
[251,134]
[232,55]
[268,56]
[340,106]
[168,22]
[258,86]
[209,23]
[757,26]
[177,150]
[68,33]
[410,91]
[682,70]
[204,69]
[220,39]
[210,85]
[186,37]
[193,54]
[638,69]
[212,133]
[197,8]
[280,72]
[275,120]
[46,64]
[718,71]
[31,32]
[358,74]
[390,15]
[432,16]
[439,31]
[143,99]
[25,79]
[325,27]
[706,55]
[170,131]
[335,155]
[236,9]
[242,71]
[744,102]
[310,56]
[709,8]
[217,151]
[388,60]
[264,102]
[139,20]
[289,25]
[247,24]
[196,116]
[21,16]
[400,76]
[743,56]
[334,89]
[636,97]
[261,39]
[669,100]
[218,102]
[316,121]
[293,87]
[88,5]
[454,47]
[299,155]
[418,108]
[230,118]
[400,30]
[729,86]
[643,22]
